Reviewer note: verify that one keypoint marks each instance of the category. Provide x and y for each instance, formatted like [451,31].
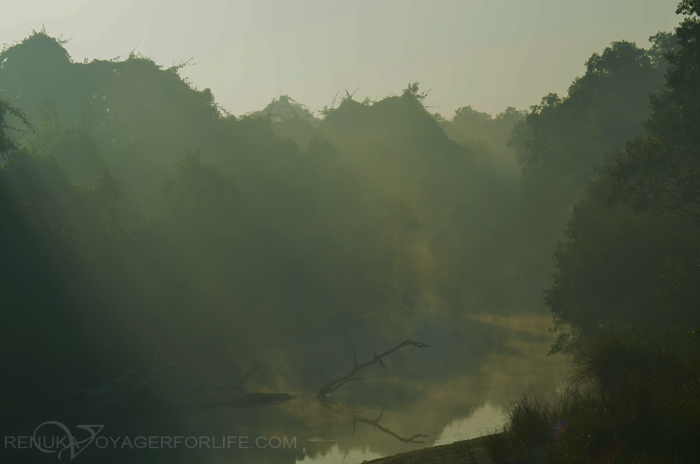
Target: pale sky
[487,54]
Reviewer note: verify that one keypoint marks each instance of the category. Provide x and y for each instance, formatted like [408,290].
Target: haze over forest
[163,257]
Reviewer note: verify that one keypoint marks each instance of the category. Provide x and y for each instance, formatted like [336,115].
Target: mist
[172,267]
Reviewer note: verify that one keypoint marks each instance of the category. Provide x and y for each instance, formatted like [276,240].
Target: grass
[635,399]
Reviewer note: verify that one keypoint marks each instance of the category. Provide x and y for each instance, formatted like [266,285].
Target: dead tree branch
[350,376]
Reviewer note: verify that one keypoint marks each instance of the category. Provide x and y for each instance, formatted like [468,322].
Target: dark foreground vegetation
[635,399]
[154,248]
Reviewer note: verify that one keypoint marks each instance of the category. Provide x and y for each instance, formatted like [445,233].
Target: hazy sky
[488,54]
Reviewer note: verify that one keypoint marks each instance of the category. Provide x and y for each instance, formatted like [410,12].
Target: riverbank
[468,451]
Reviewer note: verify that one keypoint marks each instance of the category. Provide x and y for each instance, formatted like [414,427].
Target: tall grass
[636,398]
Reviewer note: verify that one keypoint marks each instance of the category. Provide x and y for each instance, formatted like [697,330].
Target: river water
[458,388]
[461,407]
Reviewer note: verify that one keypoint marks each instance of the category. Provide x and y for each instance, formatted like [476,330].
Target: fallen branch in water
[350,376]
[356,417]
[247,401]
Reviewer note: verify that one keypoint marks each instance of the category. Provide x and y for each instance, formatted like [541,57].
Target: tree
[6,143]
[633,253]
[561,138]
[659,172]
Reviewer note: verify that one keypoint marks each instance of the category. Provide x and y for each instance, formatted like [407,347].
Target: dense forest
[145,230]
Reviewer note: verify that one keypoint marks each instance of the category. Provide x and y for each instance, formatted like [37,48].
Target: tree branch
[349,377]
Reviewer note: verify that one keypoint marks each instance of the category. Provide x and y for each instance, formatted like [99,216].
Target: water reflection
[461,406]
[457,389]
[486,419]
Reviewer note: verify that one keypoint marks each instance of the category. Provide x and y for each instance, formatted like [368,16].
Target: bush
[636,398]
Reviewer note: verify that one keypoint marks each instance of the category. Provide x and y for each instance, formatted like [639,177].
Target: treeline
[137,213]
[624,297]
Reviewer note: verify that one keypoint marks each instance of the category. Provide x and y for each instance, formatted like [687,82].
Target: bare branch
[340,381]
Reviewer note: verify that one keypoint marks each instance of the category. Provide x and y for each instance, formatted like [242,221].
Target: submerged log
[247,401]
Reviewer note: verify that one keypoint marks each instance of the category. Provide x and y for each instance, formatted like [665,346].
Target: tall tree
[633,252]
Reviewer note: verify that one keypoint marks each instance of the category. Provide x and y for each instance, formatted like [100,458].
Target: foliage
[637,401]
[474,129]
[632,249]
[6,143]
[561,138]
[658,172]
